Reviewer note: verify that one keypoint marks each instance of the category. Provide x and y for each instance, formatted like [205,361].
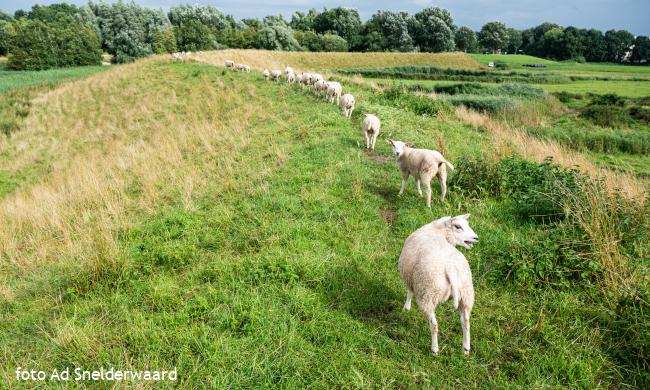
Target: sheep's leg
[409,296]
[417,183]
[365,134]
[464,321]
[405,177]
[427,189]
[433,324]
[442,179]
[374,140]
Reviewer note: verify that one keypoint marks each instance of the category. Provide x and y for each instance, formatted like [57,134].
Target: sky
[631,15]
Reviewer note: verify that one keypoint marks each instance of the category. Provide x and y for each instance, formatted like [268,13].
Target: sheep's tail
[449,165]
[454,282]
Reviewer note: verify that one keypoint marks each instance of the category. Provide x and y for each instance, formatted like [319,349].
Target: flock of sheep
[430,266]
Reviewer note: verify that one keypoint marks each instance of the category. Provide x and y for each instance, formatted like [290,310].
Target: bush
[460,88]
[316,42]
[566,97]
[484,103]
[640,114]
[276,37]
[421,105]
[164,41]
[606,115]
[501,65]
[609,99]
[36,45]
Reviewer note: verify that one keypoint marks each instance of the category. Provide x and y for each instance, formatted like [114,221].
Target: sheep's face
[462,233]
[397,146]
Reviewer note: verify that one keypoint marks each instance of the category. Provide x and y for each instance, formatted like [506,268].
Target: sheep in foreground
[275,74]
[315,77]
[230,64]
[291,78]
[319,87]
[434,270]
[266,74]
[334,90]
[306,78]
[371,126]
[423,165]
[347,103]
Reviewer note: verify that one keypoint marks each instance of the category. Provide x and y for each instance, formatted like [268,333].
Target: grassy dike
[235,229]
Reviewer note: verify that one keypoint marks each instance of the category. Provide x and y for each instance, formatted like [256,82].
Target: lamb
[275,74]
[288,70]
[371,126]
[266,74]
[423,164]
[320,86]
[239,66]
[347,103]
[246,68]
[306,78]
[434,270]
[315,77]
[230,64]
[334,90]
[291,78]
[299,78]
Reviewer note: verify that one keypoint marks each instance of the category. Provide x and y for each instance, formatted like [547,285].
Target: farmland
[168,214]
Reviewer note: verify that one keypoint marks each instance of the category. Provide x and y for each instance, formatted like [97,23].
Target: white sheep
[239,66]
[306,78]
[288,70]
[275,74]
[315,77]
[299,78]
[423,165]
[246,68]
[434,270]
[230,64]
[177,56]
[319,87]
[371,126]
[266,74]
[334,90]
[347,103]
[291,78]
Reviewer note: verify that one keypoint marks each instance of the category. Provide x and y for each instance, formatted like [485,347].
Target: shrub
[501,65]
[421,105]
[609,99]
[164,41]
[484,103]
[36,45]
[460,88]
[566,97]
[606,115]
[640,113]
[276,37]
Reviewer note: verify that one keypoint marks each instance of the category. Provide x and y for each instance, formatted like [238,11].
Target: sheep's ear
[409,144]
[465,216]
[446,221]
[390,141]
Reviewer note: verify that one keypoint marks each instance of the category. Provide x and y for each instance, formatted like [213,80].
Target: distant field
[320,61]
[569,68]
[623,88]
[11,79]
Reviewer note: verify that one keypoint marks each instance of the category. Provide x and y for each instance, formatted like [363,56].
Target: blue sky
[632,15]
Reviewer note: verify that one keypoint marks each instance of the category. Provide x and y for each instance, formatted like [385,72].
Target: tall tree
[493,36]
[595,46]
[466,40]
[641,51]
[618,44]
[301,21]
[342,21]
[388,31]
[433,29]
[207,15]
[515,40]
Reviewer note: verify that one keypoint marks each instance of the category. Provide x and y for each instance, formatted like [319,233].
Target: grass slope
[235,229]
[329,60]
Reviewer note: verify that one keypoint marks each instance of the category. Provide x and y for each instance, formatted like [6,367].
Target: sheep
[275,74]
[371,126]
[299,78]
[288,70]
[347,103]
[320,86]
[306,78]
[230,64]
[315,77]
[433,270]
[334,90]
[291,78]
[423,164]
[266,74]
[246,68]
[239,66]
[177,56]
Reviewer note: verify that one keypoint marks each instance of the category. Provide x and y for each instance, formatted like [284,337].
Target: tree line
[62,34]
